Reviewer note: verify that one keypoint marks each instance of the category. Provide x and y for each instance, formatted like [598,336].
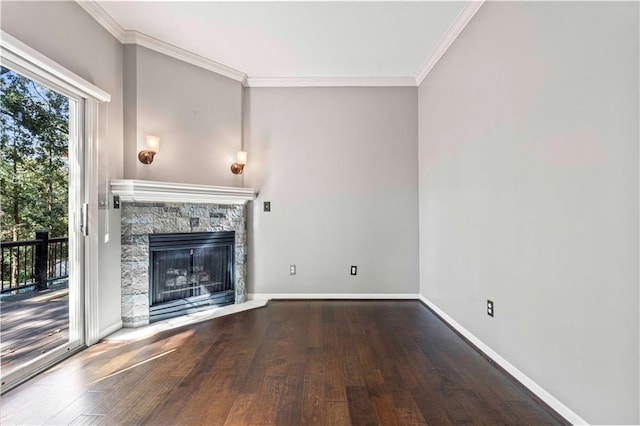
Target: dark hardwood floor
[290,363]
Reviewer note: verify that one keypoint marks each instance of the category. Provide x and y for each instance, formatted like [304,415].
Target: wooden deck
[32,324]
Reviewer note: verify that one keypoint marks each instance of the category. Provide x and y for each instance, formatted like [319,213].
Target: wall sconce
[241,160]
[151,148]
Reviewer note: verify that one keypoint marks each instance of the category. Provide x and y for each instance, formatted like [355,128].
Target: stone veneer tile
[141,228]
[134,239]
[135,252]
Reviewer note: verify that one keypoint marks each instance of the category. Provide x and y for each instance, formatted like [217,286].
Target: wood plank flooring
[289,363]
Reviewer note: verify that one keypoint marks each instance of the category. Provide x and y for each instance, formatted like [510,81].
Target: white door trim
[91,318]
[23,55]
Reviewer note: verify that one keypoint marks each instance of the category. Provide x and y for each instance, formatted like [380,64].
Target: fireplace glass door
[185,273]
[190,271]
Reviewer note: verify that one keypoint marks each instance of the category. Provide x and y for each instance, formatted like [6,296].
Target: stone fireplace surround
[163,207]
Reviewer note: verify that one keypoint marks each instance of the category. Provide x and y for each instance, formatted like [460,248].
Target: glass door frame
[84,99]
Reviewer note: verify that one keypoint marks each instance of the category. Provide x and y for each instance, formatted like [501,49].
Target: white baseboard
[549,399]
[110,330]
[266,296]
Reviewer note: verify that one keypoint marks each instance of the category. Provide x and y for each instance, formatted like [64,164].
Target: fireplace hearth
[190,272]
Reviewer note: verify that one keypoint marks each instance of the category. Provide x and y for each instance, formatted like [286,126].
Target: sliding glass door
[43,218]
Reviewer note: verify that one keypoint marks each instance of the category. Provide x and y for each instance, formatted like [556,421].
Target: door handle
[84,219]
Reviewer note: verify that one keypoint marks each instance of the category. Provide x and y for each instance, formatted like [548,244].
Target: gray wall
[196,113]
[65,33]
[340,169]
[528,149]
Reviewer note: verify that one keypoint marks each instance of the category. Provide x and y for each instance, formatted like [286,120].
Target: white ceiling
[297,39]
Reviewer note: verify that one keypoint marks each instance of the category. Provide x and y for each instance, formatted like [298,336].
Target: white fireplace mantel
[151,191]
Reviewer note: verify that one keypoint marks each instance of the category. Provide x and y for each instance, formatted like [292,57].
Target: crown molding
[140,39]
[102,18]
[330,82]
[459,24]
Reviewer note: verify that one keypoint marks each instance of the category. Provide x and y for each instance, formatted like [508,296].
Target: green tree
[34,169]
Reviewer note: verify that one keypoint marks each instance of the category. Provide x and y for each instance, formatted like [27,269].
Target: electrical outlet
[267,206]
[490,308]
[116,201]
[354,270]
[292,269]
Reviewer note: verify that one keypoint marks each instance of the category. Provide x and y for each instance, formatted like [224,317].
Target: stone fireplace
[150,209]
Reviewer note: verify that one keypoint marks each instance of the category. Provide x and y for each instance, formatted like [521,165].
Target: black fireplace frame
[190,240]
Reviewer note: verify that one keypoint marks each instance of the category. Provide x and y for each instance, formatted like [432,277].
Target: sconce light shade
[241,160]
[241,157]
[152,143]
[151,148]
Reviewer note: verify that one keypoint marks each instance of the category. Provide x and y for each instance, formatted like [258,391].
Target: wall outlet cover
[292,269]
[490,308]
[267,206]
[354,270]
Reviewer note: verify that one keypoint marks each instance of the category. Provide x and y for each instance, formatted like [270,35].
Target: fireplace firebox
[189,272]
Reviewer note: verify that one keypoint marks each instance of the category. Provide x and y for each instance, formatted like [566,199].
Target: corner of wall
[130,76]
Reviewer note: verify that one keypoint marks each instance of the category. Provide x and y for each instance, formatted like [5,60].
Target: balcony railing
[33,264]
